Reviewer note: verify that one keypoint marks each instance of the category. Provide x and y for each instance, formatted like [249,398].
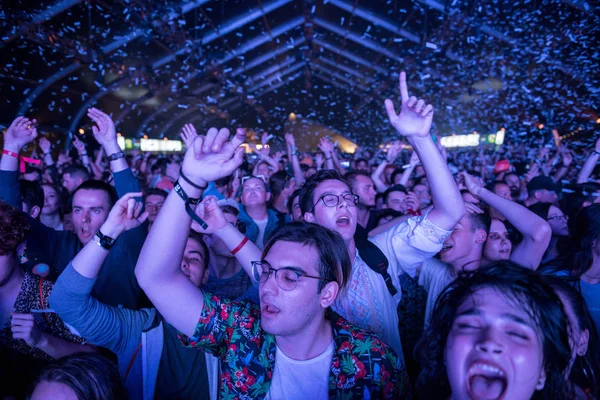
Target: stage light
[292,116]
[598,121]
[81,131]
[541,126]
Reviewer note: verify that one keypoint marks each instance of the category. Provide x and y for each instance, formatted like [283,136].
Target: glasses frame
[355,197]
[273,271]
[261,177]
[565,217]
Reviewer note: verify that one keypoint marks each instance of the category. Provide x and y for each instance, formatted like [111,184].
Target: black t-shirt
[182,371]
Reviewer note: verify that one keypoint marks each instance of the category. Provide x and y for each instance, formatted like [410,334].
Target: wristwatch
[116,156]
[106,242]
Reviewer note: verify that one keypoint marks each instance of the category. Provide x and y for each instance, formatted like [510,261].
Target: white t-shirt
[435,276]
[301,380]
[260,239]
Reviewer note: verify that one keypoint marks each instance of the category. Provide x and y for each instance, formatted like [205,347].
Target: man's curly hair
[13,228]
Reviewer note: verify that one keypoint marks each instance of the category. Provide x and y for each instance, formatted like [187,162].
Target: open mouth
[343,221]
[486,381]
[447,246]
[269,310]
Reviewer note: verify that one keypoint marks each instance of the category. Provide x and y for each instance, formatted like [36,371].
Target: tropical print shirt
[362,367]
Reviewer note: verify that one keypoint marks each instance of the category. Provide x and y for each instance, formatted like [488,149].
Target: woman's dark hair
[586,369]
[384,214]
[90,375]
[13,228]
[541,210]
[396,172]
[584,230]
[334,260]
[528,289]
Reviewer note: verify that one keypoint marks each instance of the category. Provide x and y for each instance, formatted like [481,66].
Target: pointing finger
[403,87]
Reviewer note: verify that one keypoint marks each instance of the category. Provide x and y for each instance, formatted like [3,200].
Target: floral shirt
[362,367]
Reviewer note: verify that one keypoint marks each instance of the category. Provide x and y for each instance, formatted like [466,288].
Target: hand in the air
[126,214]
[415,117]
[22,131]
[188,134]
[104,130]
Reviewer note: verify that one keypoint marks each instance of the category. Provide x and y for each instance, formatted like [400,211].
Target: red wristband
[239,246]
[10,153]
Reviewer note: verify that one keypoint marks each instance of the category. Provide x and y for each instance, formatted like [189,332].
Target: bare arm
[21,132]
[158,269]
[292,152]
[412,164]
[376,176]
[327,148]
[590,164]
[536,232]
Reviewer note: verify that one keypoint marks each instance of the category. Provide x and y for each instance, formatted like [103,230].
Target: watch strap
[106,242]
[116,156]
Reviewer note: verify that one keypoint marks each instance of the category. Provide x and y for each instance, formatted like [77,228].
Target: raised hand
[472,208]
[277,156]
[474,185]
[212,157]
[23,327]
[567,159]
[414,159]
[212,214]
[79,145]
[264,139]
[415,115]
[394,151]
[45,145]
[534,171]
[104,130]
[126,214]
[22,131]
[326,146]
[319,160]
[290,140]
[263,152]
[188,134]
[412,202]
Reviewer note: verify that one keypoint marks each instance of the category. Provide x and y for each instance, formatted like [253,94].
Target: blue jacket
[116,283]
[121,331]
[274,221]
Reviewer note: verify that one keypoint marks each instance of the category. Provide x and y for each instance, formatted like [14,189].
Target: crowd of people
[406,271]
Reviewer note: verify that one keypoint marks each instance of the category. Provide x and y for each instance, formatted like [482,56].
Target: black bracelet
[185,178]
[188,201]
[83,154]
[597,152]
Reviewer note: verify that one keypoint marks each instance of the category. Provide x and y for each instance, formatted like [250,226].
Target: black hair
[396,172]
[30,169]
[76,170]
[156,192]
[386,213]
[32,193]
[90,375]
[99,185]
[584,230]
[307,201]
[359,160]
[492,186]
[227,209]
[290,202]
[541,210]
[586,369]
[391,189]
[350,177]
[480,221]
[277,182]
[199,238]
[334,260]
[523,286]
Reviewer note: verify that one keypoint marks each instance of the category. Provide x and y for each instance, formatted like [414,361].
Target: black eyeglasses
[286,277]
[333,200]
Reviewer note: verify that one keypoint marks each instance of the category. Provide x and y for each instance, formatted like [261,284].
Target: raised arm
[292,152]
[22,131]
[414,123]
[82,152]
[326,147]
[536,232]
[158,269]
[567,159]
[590,164]
[392,154]
[410,168]
[243,249]
[106,135]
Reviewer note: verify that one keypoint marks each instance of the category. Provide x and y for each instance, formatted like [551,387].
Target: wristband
[239,246]
[597,152]
[188,201]
[185,178]
[10,153]
[83,155]
[116,156]
[106,242]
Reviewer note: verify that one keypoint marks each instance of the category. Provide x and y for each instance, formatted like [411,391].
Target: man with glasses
[286,347]
[371,298]
[259,219]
